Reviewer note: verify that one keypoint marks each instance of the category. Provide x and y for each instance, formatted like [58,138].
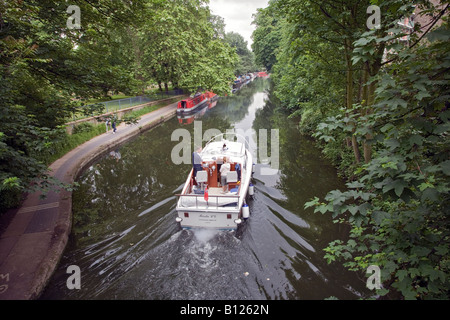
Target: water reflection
[128,246]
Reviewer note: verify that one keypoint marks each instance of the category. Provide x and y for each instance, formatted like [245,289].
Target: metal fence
[119,104]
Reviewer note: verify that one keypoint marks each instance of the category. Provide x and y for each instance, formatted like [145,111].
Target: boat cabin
[210,177]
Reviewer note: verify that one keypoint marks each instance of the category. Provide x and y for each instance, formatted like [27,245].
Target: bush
[83,127]
[9,199]
[66,142]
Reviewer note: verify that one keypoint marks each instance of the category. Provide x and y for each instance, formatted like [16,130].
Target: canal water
[127,244]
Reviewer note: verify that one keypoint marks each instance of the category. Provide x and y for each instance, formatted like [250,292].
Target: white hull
[210,220]
[219,211]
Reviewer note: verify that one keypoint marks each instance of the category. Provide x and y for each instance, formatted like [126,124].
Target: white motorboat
[202,203]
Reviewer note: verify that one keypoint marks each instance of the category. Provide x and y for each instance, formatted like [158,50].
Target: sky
[238,15]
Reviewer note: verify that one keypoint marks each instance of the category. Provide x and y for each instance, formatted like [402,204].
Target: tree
[266,36]
[48,69]
[185,51]
[371,89]
[218,25]
[245,64]
[396,206]
[308,75]
[44,67]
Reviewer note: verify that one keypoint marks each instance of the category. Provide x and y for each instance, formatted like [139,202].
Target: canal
[127,244]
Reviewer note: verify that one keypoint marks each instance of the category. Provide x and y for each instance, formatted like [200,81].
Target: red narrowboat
[191,104]
[262,74]
[211,96]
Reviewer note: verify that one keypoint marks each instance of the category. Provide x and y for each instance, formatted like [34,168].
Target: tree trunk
[349,102]
[369,97]
[369,110]
[137,57]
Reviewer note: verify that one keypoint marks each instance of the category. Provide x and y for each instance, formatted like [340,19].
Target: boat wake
[128,245]
[191,264]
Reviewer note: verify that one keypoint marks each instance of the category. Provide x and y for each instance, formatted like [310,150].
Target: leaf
[367,195]
[401,274]
[355,185]
[356,59]
[420,251]
[442,250]
[363,208]
[398,186]
[353,209]
[362,41]
[446,167]
[382,292]
[445,116]
[311,203]
[442,128]
[387,127]
[10,183]
[395,102]
[336,197]
[429,194]
[425,185]
[422,94]
[379,216]
[405,287]
[392,143]
[440,34]
[327,138]
[351,243]
[416,139]
[388,187]
[325,208]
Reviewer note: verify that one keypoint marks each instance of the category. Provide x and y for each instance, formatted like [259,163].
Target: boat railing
[226,136]
[197,201]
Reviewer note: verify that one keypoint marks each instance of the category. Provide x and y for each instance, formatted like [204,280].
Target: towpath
[33,242]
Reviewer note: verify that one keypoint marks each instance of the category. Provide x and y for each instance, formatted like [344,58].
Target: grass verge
[86,131]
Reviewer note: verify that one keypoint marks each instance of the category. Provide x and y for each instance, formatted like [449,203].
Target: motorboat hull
[204,206]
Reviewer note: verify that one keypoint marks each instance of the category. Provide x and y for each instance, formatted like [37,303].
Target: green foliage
[20,143]
[245,64]
[187,51]
[398,207]
[266,36]
[63,142]
[130,119]
[93,109]
[389,100]
[82,127]
[44,69]
[48,71]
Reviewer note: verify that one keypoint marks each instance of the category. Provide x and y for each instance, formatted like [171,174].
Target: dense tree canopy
[266,36]
[50,66]
[377,102]
[246,62]
[181,45]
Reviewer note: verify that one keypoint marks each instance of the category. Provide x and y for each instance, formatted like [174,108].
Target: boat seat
[202,176]
[232,177]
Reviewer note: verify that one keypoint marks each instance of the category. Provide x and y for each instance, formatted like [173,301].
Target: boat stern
[208,220]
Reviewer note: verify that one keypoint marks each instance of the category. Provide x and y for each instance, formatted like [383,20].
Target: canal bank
[128,246]
[36,236]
